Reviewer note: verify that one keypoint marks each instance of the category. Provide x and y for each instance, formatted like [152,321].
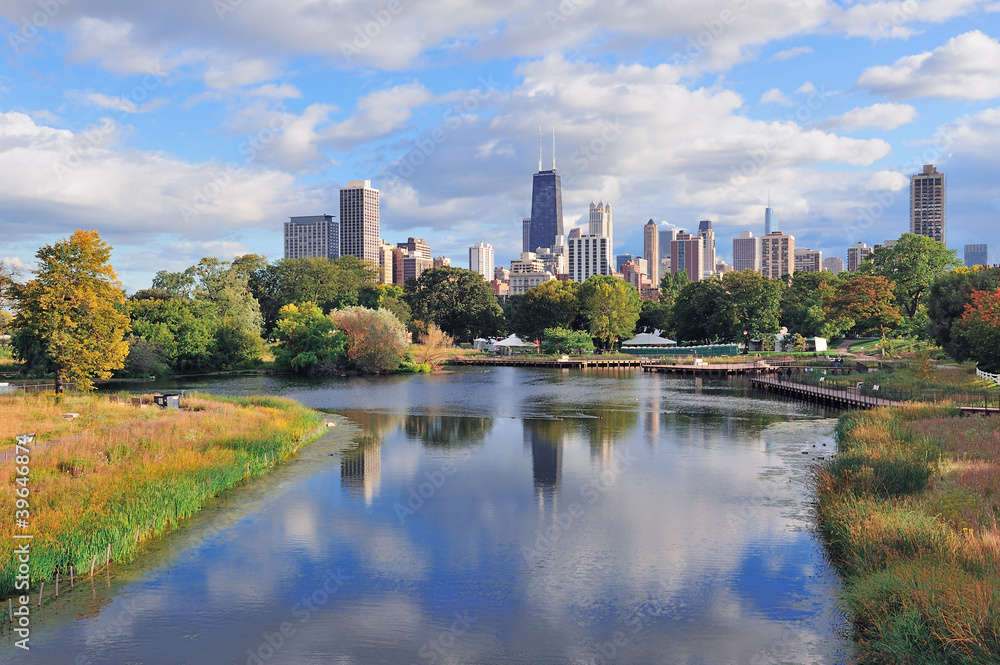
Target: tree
[703,312]
[459,301]
[564,340]
[310,344]
[552,304]
[182,331]
[980,328]
[755,301]
[653,316]
[803,305]
[671,286]
[74,306]
[435,345]
[868,301]
[610,306]
[376,339]
[946,301]
[912,264]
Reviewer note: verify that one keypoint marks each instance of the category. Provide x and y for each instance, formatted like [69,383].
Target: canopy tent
[648,339]
[511,343]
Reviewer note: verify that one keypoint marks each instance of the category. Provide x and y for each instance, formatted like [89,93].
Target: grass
[917,377]
[909,510]
[122,478]
[892,347]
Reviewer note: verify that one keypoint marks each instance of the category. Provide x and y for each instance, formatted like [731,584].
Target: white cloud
[102,101]
[788,54]
[963,68]
[775,96]
[891,181]
[881,116]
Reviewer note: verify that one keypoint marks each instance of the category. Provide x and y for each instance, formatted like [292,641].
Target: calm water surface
[499,516]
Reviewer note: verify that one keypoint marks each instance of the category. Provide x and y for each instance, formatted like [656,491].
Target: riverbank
[118,475]
[909,510]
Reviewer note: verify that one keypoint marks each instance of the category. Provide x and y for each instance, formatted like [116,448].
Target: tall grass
[133,477]
[909,510]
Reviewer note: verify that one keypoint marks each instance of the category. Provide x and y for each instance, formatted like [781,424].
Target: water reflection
[361,468]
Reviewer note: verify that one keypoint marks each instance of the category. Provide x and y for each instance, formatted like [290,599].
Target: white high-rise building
[651,250]
[481,259]
[777,255]
[746,252]
[708,261]
[857,254]
[315,235]
[359,221]
[601,225]
[589,255]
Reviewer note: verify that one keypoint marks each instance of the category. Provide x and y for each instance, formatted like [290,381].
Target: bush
[376,339]
[563,340]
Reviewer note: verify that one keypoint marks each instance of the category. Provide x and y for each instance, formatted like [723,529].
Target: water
[499,516]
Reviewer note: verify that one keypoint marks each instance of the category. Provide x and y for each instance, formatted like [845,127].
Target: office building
[316,235]
[834,264]
[621,260]
[526,273]
[385,262]
[588,255]
[856,255]
[442,262]
[687,252]
[887,243]
[600,225]
[553,259]
[808,260]
[359,221]
[481,259]
[721,267]
[415,259]
[770,218]
[977,255]
[651,250]
[746,252]
[636,273]
[708,235]
[525,234]
[928,203]
[777,255]
[546,203]
[667,236]
[501,274]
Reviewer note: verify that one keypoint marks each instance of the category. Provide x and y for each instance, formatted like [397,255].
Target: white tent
[649,339]
[511,343]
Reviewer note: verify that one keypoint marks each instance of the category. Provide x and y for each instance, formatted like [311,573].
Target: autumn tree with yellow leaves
[74,308]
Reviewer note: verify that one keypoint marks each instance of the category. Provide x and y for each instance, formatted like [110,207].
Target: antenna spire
[553,147]
[769,197]
[539,148]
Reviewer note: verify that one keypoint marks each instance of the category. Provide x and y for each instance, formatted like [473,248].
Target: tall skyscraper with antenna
[546,202]
[770,217]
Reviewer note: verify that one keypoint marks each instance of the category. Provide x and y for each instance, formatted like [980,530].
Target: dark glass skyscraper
[546,210]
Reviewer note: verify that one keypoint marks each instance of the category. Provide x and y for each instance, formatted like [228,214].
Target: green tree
[946,301]
[564,340]
[458,301]
[703,312]
[653,316]
[309,342]
[182,331]
[74,306]
[671,287]
[980,328]
[177,284]
[611,308]
[803,305]
[866,300]
[376,339]
[552,304]
[755,302]
[912,264]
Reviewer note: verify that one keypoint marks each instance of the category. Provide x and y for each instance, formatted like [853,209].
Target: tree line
[317,316]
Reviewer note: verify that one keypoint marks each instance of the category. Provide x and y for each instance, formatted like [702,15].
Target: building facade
[315,235]
[857,254]
[359,220]
[667,236]
[708,235]
[481,259]
[414,258]
[526,273]
[770,219]
[746,252]
[834,264]
[687,253]
[808,260]
[977,255]
[928,203]
[589,255]
[546,221]
[651,250]
[385,262]
[601,225]
[777,255]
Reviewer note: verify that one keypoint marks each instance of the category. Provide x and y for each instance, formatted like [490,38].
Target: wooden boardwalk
[848,399]
[714,369]
[572,363]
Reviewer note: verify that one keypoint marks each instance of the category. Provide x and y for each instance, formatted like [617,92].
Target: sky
[197,127]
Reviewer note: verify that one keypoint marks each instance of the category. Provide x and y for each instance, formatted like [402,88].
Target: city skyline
[197,131]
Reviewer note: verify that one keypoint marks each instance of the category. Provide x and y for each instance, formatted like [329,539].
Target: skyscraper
[857,254]
[525,234]
[359,220]
[777,255]
[746,252]
[651,250]
[315,235]
[667,236]
[481,259]
[706,232]
[546,203]
[601,225]
[770,218]
[808,260]
[977,255]
[687,253]
[588,255]
[834,264]
[416,258]
[927,203]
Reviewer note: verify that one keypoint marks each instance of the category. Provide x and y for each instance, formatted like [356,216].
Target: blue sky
[195,128]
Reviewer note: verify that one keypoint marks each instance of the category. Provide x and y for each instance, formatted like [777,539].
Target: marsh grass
[127,476]
[909,510]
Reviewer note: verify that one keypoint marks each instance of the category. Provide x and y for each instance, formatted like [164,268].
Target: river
[493,516]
